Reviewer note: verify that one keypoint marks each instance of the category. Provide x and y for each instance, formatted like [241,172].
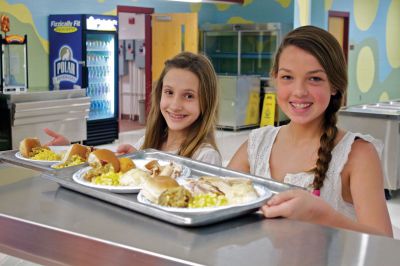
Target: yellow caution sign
[252,110]
[268,110]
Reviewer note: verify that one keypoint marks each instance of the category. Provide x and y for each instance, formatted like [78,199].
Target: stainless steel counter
[382,121]
[26,114]
[48,224]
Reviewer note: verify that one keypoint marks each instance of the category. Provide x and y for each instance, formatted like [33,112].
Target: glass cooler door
[257,51]
[100,52]
[222,49]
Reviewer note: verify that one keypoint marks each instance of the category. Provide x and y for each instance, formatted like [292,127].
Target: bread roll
[178,197]
[101,157]
[27,144]
[76,149]
[152,188]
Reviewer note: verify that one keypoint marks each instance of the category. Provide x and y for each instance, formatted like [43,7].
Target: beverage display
[83,52]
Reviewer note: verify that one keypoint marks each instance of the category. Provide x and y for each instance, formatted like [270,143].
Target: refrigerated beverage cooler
[83,55]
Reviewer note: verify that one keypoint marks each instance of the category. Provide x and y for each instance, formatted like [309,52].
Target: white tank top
[259,150]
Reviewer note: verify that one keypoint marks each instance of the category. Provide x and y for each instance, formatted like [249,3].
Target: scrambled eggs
[45,155]
[75,160]
[208,200]
[108,179]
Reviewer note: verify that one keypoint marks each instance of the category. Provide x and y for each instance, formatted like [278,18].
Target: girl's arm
[240,160]
[303,206]
[366,188]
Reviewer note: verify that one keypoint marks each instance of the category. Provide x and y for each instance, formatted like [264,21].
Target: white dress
[206,153]
[259,150]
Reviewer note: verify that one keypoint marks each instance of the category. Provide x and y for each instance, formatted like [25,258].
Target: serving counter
[48,224]
[26,114]
[382,121]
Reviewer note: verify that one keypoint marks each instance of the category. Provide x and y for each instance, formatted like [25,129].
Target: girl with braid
[340,170]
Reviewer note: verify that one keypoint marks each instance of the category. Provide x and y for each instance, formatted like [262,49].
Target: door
[172,34]
[338,26]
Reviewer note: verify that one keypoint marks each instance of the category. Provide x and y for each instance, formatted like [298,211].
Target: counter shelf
[64,178]
[48,224]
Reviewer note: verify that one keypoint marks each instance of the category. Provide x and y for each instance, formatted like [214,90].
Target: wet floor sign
[268,110]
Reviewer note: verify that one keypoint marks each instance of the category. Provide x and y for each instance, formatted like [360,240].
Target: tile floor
[229,142]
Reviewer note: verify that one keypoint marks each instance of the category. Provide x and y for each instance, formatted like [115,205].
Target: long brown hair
[326,49]
[202,130]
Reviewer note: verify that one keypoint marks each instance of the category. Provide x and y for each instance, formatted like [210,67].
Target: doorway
[135,41]
[338,26]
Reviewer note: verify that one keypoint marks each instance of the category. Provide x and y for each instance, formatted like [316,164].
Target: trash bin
[142,112]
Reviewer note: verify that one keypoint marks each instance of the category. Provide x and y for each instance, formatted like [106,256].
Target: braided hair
[326,49]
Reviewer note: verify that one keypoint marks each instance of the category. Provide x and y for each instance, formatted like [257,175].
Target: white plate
[56,149]
[264,193]
[58,163]
[78,177]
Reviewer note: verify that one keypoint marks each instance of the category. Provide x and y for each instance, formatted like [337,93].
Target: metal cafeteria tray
[9,157]
[64,178]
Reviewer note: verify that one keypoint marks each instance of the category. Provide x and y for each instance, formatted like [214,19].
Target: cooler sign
[65,66]
[65,37]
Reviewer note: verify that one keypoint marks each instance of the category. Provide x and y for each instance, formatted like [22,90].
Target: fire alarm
[131,21]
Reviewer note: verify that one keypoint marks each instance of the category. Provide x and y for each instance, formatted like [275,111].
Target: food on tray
[102,162]
[102,157]
[154,167]
[153,187]
[109,178]
[32,149]
[126,164]
[236,190]
[76,154]
[134,177]
[208,200]
[27,145]
[74,160]
[175,197]
[107,169]
[199,193]
[172,169]
[76,150]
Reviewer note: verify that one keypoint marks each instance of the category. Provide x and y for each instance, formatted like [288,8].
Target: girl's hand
[58,139]
[125,148]
[298,205]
